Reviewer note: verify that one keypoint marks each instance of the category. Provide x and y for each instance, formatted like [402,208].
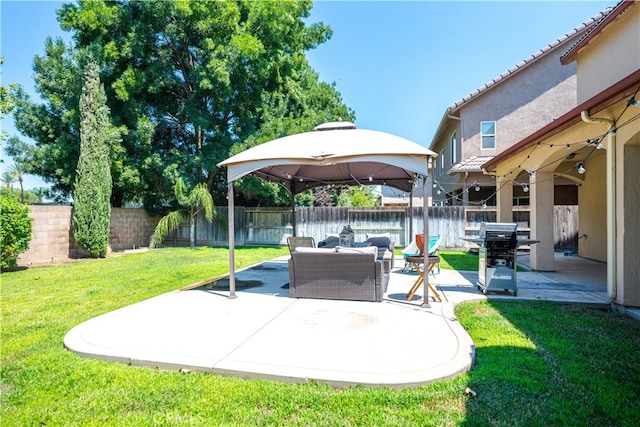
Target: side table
[416,261]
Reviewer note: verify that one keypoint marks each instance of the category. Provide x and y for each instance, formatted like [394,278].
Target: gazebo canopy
[334,153]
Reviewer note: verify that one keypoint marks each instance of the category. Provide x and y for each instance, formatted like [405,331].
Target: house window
[488,131]
[434,168]
[454,147]
[442,162]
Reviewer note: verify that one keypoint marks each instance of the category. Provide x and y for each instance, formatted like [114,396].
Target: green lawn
[453,260]
[537,363]
[458,260]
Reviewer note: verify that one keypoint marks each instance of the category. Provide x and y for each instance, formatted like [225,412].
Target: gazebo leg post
[425,248]
[425,283]
[232,243]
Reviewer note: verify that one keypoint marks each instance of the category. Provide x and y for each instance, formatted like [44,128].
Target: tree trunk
[192,231]
[117,197]
[21,191]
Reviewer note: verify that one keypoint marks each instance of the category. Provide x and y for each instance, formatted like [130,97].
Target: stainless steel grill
[497,267]
[497,264]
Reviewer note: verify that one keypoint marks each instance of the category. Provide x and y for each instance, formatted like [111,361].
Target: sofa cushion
[319,251]
[381,241]
[367,250]
[330,241]
[330,245]
[373,235]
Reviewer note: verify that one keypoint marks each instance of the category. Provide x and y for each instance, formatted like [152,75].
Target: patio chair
[300,242]
[416,248]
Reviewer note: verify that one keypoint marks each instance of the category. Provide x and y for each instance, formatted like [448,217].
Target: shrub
[15,230]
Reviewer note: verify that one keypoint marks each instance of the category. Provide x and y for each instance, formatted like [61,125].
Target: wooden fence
[52,238]
[273,225]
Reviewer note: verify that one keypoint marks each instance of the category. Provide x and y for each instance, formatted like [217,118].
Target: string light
[477,187]
[596,142]
[525,188]
[580,168]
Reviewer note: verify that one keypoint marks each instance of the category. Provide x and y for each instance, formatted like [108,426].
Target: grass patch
[461,261]
[538,363]
[458,260]
[453,260]
[544,363]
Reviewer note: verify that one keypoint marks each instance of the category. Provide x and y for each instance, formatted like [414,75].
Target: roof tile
[472,164]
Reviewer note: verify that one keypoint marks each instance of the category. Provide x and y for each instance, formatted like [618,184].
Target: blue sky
[399,65]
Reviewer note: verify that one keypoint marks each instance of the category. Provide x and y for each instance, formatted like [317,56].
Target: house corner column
[504,200]
[627,269]
[541,221]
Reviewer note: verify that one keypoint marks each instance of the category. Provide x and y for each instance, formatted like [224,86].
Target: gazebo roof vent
[339,125]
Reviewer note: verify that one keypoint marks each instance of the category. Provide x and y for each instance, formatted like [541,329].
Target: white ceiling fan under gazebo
[333,153]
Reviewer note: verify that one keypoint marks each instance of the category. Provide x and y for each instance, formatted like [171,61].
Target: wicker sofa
[338,273]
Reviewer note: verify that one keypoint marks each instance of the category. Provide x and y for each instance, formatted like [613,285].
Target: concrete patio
[265,334]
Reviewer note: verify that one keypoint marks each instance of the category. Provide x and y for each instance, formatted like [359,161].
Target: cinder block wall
[52,238]
[130,228]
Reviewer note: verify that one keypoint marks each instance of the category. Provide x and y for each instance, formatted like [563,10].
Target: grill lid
[497,230]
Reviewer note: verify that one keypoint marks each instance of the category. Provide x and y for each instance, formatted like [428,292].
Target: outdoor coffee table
[432,260]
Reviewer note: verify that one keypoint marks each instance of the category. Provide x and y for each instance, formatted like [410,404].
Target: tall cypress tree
[92,189]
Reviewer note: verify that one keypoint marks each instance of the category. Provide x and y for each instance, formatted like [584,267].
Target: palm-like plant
[8,178]
[196,200]
[18,172]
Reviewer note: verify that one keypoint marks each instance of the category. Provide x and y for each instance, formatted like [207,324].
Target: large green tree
[186,82]
[357,197]
[6,101]
[54,125]
[92,191]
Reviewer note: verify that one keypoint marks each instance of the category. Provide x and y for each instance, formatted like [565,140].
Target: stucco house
[486,122]
[596,145]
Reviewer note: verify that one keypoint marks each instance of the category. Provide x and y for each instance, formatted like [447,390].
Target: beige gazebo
[333,153]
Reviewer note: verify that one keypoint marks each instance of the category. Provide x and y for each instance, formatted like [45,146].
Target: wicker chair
[300,242]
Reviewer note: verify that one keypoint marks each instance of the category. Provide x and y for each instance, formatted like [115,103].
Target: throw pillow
[382,241]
